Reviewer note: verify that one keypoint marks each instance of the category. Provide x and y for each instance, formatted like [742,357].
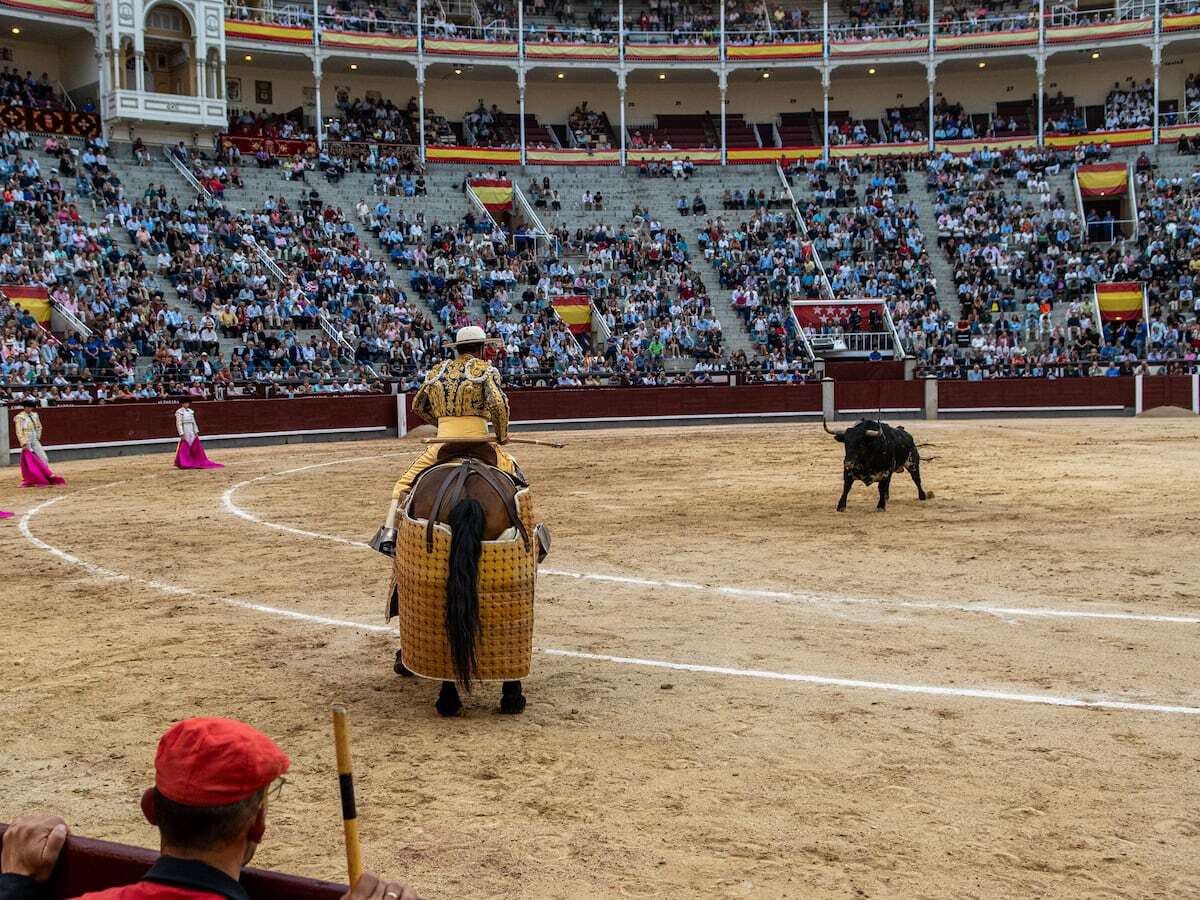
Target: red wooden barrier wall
[72,425]
[145,421]
[1167,390]
[649,402]
[1036,392]
[858,370]
[91,865]
[869,396]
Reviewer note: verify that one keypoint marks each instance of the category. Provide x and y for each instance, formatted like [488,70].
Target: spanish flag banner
[472,155]
[1103,180]
[1126,137]
[850,150]
[770,155]
[80,10]
[984,39]
[447,47]
[34,299]
[970,145]
[774,51]
[1175,132]
[496,194]
[670,51]
[878,48]
[1100,31]
[570,51]
[571,157]
[353,40]
[1120,301]
[1184,22]
[576,311]
[260,31]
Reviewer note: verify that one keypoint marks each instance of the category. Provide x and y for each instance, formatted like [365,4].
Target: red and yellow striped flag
[576,311]
[1104,180]
[1120,301]
[33,299]
[494,193]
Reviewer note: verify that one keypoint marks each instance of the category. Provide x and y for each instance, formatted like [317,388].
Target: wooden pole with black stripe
[345,767]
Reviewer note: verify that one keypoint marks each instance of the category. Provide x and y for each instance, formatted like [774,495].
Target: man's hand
[32,844]
[371,887]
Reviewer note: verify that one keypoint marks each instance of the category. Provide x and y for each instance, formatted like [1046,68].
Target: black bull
[874,451]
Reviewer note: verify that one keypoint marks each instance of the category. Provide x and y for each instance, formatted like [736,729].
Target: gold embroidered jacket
[465,386]
[29,427]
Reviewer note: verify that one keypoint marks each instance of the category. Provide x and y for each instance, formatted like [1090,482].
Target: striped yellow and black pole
[345,767]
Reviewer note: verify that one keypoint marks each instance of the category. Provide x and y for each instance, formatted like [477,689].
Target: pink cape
[192,456]
[5,515]
[35,473]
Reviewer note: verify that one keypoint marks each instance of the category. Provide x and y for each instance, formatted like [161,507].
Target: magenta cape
[192,456]
[5,515]
[35,473]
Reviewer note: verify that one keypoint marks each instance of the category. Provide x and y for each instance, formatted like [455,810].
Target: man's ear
[148,807]
[259,826]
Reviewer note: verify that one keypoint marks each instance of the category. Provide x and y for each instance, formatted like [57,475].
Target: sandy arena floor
[626,777]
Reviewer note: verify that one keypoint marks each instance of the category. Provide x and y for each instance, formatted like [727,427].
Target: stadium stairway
[135,179]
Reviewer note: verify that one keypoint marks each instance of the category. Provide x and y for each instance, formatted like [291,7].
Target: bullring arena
[737,690]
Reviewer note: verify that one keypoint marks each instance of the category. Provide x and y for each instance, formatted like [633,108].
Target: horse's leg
[512,700]
[399,667]
[847,483]
[448,702]
[883,493]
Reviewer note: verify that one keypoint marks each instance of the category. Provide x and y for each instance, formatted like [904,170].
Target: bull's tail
[466,522]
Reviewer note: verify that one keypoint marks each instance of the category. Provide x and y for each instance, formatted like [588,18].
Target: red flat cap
[215,762]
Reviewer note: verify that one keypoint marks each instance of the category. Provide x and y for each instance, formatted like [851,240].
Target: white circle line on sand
[700,668]
[789,597]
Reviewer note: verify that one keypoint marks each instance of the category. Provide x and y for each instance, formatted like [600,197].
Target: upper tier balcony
[290,26]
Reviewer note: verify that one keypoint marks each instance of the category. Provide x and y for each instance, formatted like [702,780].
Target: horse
[482,503]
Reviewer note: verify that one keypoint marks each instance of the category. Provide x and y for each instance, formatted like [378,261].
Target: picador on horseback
[460,529]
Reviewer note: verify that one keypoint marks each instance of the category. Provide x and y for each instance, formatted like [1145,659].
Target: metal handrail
[267,261]
[73,320]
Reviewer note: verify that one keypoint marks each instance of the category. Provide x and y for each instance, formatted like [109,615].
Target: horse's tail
[466,522]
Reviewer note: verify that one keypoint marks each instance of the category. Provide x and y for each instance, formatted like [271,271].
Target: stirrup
[384,541]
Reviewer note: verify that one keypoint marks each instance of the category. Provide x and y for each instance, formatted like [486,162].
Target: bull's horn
[825,425]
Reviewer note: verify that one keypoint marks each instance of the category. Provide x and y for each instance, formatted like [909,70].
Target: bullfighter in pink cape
[190,454]
[35,465]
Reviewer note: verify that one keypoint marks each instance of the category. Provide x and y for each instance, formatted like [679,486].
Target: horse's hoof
[448,708]
[514,705]
[449,703]
[400,668]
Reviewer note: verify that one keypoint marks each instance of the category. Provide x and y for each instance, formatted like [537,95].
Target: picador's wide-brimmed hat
[472,334]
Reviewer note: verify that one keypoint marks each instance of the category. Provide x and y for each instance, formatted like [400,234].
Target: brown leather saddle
[484,451]
[453,489]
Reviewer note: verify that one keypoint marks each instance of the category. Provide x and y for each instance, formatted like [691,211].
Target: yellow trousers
[451,429]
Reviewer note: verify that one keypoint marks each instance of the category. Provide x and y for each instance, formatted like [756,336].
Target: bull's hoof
[881,509]
[841,507]
[448,702]
[400,668]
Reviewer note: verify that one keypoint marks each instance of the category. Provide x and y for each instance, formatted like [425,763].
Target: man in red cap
[213,781]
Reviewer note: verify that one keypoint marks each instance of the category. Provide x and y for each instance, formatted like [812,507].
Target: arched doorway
[170,51]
